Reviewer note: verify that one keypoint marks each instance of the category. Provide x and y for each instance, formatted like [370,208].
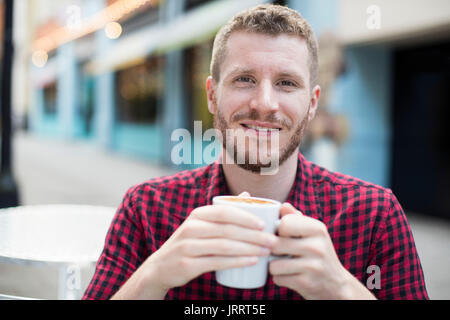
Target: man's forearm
[141,286]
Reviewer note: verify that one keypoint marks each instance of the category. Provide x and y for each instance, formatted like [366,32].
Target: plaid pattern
[366,224]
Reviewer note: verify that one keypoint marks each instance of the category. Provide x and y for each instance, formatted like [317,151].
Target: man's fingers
[209,264]
[296,247]
[221,247]
[287,208]
[292,266]
[201,229]
[297,225]
[228,214]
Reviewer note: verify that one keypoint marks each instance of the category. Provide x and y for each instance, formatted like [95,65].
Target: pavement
[52,171]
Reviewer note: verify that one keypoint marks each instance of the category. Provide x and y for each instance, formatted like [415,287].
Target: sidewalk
[49,171]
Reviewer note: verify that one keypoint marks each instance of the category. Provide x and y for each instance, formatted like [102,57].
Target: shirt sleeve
[396,259]
[122,254]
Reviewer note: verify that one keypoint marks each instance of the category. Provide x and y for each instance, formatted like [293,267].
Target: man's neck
[275,186]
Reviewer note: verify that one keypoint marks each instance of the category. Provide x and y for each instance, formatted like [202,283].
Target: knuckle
[185,231]
[322,228]
[183,247]
[315,266]
[273,268]
[316,248]
[185,264]
[226,231]
[301,282]
[194,213]
[226,248]
[283,227]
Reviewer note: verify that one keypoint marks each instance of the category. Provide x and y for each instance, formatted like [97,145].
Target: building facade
[129,93]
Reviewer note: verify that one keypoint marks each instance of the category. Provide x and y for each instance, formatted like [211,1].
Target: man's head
[263,84]
[271,20]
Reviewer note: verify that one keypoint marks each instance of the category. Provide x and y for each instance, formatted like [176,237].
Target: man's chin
[254,164]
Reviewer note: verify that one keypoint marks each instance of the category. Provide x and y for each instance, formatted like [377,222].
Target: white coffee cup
[254,276]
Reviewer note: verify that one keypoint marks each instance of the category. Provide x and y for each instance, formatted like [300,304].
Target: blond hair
[271,20]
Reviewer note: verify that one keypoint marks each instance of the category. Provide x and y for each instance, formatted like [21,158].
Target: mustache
[256,116]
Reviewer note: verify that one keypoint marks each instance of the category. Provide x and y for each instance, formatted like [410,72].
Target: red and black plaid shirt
[366,223]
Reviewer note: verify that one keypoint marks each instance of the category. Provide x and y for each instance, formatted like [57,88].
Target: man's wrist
[142,285]
[150,285]
[353,289]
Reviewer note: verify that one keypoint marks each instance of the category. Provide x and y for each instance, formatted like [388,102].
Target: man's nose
[264,99]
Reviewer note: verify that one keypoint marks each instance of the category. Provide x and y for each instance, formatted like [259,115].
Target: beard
[221,124]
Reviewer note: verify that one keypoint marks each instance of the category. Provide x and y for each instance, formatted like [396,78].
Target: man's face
[263,91]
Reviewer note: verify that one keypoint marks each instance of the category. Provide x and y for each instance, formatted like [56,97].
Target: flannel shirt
[366,224]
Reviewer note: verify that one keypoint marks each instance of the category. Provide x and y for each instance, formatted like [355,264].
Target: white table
[66,236]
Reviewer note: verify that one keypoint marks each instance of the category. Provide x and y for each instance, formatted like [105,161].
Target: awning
[194,27]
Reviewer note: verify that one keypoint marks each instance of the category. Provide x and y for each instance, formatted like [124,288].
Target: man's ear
[314,103]
[211,94]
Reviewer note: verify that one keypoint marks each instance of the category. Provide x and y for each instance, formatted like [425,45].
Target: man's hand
[211,238]
[314,271]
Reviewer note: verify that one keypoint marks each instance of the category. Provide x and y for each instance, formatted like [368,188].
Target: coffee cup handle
[273,257]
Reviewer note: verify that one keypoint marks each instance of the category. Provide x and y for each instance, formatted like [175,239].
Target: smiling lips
[260,128]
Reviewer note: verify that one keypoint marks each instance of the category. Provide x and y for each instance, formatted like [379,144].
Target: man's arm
[395,253]
[314,271]
[123,252]
[211,238]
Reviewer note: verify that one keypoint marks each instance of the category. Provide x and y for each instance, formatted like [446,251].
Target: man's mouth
[260,127]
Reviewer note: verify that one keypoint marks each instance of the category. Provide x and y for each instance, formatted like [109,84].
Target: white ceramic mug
[252,276]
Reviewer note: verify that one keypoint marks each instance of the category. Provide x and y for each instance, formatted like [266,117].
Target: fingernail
[261,224]
[265,251]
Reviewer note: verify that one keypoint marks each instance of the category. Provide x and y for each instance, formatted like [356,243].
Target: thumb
[286,209]
[244,194]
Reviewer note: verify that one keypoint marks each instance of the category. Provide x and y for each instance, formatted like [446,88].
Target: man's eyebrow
[240,70]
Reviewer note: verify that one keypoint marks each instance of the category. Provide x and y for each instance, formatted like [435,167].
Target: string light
[112,13]
[39,58]
[113,30]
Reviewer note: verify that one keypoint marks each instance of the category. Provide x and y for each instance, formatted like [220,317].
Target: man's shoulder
[337,191]
[324,178]
[186,180]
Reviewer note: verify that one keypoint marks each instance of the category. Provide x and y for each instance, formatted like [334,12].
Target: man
[167,239]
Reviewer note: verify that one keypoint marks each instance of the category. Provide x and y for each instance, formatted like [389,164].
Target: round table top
[53,233]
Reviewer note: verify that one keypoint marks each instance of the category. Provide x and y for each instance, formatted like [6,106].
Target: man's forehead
[256,39]
[247,52]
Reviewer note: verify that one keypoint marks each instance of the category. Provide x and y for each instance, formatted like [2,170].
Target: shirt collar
[303,194]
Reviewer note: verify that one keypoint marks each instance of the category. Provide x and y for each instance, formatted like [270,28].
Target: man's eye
[244,79]
[287,83]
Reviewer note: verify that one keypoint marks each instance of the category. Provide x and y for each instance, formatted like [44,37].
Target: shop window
[50,92]
[140,92]
[190,4]
[86,100]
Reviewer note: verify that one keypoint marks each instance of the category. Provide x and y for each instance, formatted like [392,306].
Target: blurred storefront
[127,85]
[393,90]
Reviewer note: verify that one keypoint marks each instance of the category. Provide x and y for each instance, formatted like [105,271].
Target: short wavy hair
[271,20]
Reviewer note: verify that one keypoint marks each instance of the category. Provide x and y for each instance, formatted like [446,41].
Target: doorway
[421,129]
